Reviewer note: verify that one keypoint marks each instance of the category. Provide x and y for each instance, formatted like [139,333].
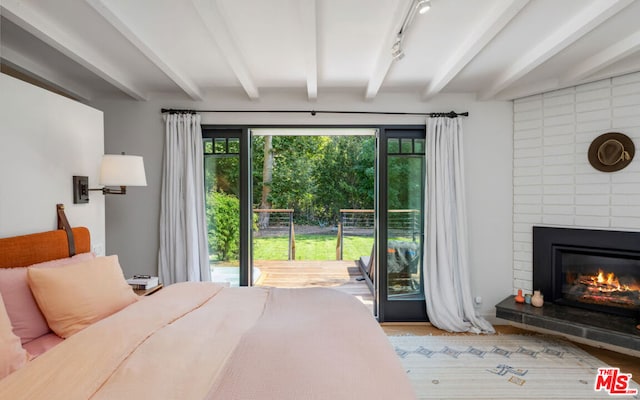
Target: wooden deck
[340,275]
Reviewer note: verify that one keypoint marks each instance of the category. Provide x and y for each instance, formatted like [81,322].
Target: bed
[188,340]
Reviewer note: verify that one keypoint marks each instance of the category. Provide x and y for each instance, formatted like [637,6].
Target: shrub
[223,217]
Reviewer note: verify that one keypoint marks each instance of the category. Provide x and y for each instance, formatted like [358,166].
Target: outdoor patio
[340,275]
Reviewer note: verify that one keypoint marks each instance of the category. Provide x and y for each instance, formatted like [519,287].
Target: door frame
[386,311]
[245,193]
[394,310]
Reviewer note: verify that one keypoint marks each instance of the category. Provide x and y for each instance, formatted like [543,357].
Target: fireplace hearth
[591,285]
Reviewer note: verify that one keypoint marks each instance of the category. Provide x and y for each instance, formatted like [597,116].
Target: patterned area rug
[500,367]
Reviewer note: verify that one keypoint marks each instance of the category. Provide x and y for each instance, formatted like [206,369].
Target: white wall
[137,128]
[45,139]
[554,184]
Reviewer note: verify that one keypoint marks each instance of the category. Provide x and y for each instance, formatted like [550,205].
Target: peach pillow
[12,355]
[75,296]
[26,318]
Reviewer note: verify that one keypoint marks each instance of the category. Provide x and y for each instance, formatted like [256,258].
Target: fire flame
[611,278]
[605,288]
[608,282]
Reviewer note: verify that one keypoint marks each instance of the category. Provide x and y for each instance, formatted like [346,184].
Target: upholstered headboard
[22,251]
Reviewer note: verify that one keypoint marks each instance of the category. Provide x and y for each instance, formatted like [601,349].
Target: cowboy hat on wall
[611,152]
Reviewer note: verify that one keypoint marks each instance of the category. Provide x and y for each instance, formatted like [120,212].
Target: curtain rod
[450,114]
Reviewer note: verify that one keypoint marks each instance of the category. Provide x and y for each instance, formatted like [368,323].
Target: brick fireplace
[591,283]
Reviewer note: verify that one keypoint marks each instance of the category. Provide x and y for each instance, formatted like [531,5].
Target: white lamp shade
[122,170]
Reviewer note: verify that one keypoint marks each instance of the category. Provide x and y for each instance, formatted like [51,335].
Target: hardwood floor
[340,275]
[626,363]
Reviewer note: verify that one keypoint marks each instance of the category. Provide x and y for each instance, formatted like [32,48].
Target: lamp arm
[106,190]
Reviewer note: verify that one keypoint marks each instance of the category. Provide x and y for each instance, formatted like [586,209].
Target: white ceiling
[146,49]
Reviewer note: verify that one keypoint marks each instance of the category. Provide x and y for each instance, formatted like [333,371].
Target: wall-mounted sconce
[116,170]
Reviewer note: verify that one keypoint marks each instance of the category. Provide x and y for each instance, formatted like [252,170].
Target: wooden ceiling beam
[480,35]
[133,35]
[310,46]
[384,59]
[518,92]
[585,21]
[42,27]
[613,72]
[45,74]
[217,27]
[603,59]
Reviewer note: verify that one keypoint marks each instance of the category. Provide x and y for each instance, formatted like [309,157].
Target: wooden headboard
[22,251]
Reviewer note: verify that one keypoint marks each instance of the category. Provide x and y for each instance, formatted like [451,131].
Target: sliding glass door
[401,231]
[226,164]
[395,267]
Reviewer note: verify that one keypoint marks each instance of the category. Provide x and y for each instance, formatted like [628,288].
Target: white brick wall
[553,182]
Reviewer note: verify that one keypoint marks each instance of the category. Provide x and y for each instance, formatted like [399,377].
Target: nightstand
[147,292]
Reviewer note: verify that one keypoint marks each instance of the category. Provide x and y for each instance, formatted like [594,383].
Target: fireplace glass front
[601,281]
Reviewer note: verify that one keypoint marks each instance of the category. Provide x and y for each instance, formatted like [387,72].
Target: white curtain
[184,252]
[446,268]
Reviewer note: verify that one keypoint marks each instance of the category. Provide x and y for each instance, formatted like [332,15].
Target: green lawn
[311,247]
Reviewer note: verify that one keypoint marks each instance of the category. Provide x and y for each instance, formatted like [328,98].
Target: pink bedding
[203,341]
[42,344]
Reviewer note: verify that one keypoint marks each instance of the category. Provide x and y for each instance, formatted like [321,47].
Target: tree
[223,211]
[345,177]
[315,175]
[267,175]
[293,186]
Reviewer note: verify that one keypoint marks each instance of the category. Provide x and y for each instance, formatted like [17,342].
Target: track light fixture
[396,50]
[419,6]
[423,6]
